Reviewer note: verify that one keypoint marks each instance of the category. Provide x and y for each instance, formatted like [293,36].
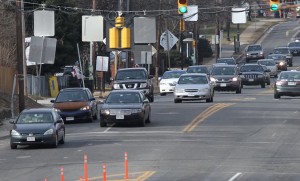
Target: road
[238,137]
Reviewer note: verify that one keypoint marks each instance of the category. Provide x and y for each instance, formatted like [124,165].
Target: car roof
[175,71]
[251,64]
[226,58]
[266,59]
[38,110]
[74,89]
[127,90]
[254,45]
[224,65]
[197,66]
[191,74]
[281,47]
[135,68]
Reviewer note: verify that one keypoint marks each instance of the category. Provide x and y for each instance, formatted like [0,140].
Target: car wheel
[55,144]
[149,116]
[62,141]
[102,123]
[276,95]
[263,85]
[163,94]
[142,123]
[209,100]
[269,82]
[177,101]
[13,146]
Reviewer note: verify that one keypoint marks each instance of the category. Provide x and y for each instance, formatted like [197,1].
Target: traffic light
[274,5]
[182,6]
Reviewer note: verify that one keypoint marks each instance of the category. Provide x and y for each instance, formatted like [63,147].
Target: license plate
[251,80]
[223,85]
[31,138]
[291,83]
[191,94]
[119,116]
[69,118]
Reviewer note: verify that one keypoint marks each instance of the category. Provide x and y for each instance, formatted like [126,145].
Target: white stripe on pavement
[235,176]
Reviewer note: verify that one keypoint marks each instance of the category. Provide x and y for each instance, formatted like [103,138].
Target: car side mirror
[92,99]
[159,78]
[52,101]
[240,73]
[60,120]
[12,122]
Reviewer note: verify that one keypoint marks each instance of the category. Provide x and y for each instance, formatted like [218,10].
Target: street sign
[238,15]
[102,64]
[92,28]
[146,57]
[44,23]
[166,37]
[144,30]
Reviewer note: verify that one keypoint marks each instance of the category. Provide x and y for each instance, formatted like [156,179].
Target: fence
[7,79]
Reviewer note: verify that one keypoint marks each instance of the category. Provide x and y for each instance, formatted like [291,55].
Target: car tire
[177,101]
[13,146]
[290,64]
[163,94]
[210,99]
[62,140]
[55,144]
[102,123]
[269,82]
[263,85]
[276,96]
[148,120]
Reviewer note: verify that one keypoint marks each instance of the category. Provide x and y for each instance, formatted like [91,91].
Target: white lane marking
[235,176]
[23,157]
[108,128]
[125,132]
[287,33]
[168,113]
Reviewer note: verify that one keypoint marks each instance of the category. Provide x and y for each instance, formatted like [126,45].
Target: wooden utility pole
[157,62]
[20,55]
[217,49]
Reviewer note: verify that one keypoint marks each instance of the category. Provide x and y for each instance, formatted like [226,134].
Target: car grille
[30,134]
[120,111]
[254,54]
[223,80]
[129,86]
[191,90]
[250,76]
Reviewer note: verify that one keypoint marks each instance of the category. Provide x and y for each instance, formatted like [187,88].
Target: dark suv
[254,52]
[135,78]
[253,74]
[226,78]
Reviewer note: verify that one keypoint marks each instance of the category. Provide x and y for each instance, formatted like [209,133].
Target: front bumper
[192,95]
[76,115]
[38,139]
[166,88]
[254,81]
[254,57]
[227,86]
[132,118]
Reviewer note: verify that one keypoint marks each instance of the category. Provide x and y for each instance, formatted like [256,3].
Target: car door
[59,126]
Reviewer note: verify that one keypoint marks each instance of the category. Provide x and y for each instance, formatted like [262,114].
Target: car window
[72,96]
[228,61]
[251,68]
[267,63]
[193,80]
[281,51]
[124,98]
[223,71]
[131,74]
[197,70]
[290,76]
[254,48]
[294,44]
[33,118]
[170,75]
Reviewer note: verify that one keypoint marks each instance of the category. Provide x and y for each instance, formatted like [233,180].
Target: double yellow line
[205,114]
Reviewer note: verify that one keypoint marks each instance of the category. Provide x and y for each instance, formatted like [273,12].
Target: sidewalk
[250,35]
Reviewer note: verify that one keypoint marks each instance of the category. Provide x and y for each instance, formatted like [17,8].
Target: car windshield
[197,70]
[124,97]
[254,48]
[194,79]
[223,71]
[276,57]
[281,51]
[252,68]
[267,63]
[171,75]
[229,61]
[294,44]
[290,76]
[72,96]
[34,118]
[131,74]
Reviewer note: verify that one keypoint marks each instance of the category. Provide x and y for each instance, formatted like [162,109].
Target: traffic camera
[182,6]
[274,5]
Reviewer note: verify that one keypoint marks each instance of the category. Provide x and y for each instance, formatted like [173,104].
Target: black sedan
[125,106]
[37,126]
[287,84]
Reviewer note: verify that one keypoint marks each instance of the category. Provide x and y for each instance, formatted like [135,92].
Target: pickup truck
[134,78]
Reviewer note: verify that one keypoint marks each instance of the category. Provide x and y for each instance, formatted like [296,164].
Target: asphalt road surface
[238,137]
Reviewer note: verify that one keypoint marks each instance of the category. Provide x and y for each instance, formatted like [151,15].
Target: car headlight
[213,79]
[105,111]
[179,90]
[14,133]
[49,131]
[234,79]
[116,86]
[85,108]
[143,85]
[261,53]
[134,111]
[281,63]
[247,54]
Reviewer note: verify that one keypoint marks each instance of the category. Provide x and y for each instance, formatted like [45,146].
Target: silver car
[271,65]
[194,86]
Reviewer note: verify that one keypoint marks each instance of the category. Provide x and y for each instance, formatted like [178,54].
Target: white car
[194,86]
[168,81]
[271,65]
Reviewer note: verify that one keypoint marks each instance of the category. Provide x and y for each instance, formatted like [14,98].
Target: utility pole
[92,64]
[217,49]
[20,55]
[157,62]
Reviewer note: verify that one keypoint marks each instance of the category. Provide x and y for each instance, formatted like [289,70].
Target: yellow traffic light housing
[182,6]
[274,5]
[125,35]
[119,22]
[114,38]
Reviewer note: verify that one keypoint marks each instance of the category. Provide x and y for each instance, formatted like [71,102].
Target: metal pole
[24,56]
[80,65]
[158,46]
[20,55]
